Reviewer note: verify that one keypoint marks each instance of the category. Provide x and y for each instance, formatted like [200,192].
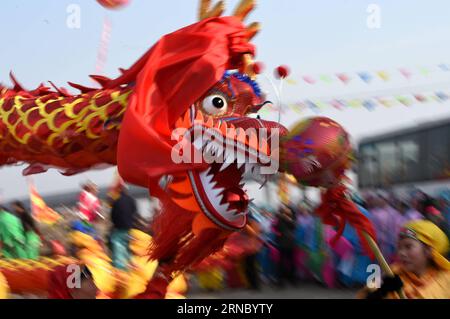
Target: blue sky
[312,37]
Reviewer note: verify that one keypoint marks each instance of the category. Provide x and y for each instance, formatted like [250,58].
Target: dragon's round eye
[215,104]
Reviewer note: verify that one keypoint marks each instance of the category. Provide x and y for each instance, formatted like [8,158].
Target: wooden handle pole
[381,260]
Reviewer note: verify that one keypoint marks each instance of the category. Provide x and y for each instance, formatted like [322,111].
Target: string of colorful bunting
[369,77]
[369,103]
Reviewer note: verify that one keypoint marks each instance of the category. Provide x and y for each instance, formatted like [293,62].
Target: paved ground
[302,291]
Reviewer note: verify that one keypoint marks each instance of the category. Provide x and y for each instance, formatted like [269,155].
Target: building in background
[413,158]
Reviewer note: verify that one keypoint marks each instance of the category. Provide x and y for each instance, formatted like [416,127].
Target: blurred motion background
[379,68]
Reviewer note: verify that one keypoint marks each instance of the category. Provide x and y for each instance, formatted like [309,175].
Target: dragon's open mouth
[221,191]
[234,156]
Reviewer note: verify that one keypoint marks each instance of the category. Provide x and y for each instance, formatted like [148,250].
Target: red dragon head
[187,122]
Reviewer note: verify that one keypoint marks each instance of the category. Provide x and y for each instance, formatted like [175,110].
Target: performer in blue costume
[353,272]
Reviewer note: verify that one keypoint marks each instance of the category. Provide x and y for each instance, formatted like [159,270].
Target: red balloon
[282,72]
[317,152]
[258,67]
[113,4]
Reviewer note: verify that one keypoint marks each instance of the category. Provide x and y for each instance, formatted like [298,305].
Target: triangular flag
[406,73]
[369,104]
[444,67]
[436,98]
[442,96]
[385,102]
[308,79]
[337,104]
[326,79]
[39,209]
[291,81]
[421,98]
[365,76]
[355,103]
[424,71]
[297,107]
[343,77]
[383,75]
[404,100]
[312,106]
[321,105]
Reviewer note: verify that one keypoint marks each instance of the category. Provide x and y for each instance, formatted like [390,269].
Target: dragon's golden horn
[253,30]
[244,8]
[203,9]
[217,10]
[206,12]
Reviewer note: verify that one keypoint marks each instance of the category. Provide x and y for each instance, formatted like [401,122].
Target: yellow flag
[39,209]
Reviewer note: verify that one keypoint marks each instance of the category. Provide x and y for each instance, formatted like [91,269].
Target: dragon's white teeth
[230,157]
[209,121]
[224,207]
[256,172]
[240,135]
[198,143]
[240,159]
[209,148]
[206,177]
[205,145]
[199,118]
[205,173]
[219,194]
[219,151]
[264,183]
[225,165]
[217,198]
[247,184]
[253,172]
[214,151]
[231,214]
[228,160]
[220,190]
[249,168]
[193,113]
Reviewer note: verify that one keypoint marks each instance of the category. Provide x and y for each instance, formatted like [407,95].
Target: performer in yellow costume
[4,288]
[423,271]
[129,283]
